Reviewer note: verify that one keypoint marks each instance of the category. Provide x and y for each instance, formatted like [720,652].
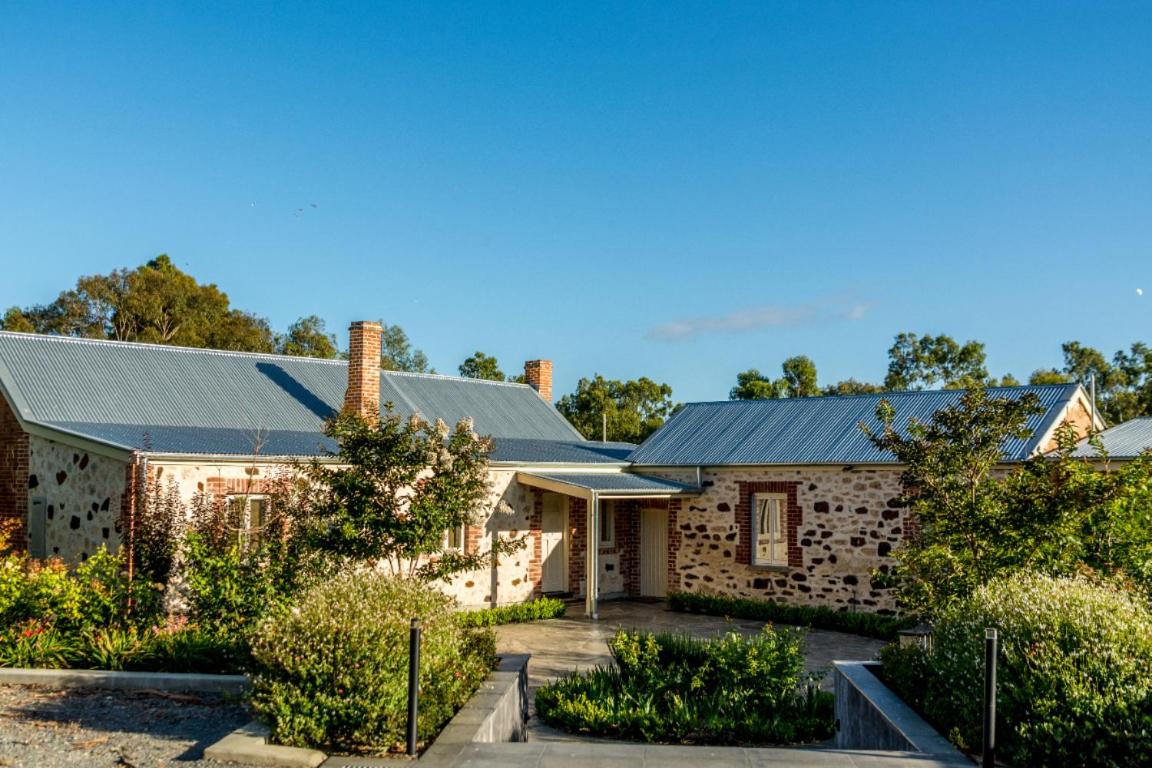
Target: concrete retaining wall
[99,678]
[497,712]
[870,716]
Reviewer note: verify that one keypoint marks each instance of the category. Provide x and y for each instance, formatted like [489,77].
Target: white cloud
[756,318]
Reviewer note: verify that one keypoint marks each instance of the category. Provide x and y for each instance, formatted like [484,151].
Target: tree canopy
[308,337]
[398,354]
[481,366]
[798,380]
[633,409]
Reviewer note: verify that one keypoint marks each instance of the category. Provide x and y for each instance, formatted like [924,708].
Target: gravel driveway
[47,728]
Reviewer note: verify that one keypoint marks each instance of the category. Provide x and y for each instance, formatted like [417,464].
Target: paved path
[618,755]
[575,643]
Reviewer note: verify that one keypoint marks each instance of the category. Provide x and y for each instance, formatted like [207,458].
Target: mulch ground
[47,728]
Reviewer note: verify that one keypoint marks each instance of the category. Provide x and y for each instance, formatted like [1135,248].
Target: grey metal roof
[617,482]
[1123,441]
[180,400]
[558,452]
[816,430]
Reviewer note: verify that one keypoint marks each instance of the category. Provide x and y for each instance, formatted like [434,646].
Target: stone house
[774,499]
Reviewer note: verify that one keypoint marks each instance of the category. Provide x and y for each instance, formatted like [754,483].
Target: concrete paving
[617,755]
[559,646]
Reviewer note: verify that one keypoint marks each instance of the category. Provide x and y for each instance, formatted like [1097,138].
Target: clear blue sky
[677,190]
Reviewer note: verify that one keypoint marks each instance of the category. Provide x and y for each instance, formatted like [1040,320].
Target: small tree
[965,530]
[399,487]
[482,366]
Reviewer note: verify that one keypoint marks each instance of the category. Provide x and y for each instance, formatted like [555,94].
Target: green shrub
[332,671]
[675,688]
[537,610]
[1075,671]
[32,644]
[880,626]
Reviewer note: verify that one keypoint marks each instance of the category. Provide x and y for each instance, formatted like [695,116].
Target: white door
[553,554]
[653,552]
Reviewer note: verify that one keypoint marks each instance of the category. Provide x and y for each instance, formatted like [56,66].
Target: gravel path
[47,728]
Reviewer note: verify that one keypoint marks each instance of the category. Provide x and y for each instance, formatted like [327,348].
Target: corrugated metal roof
[815,430]
[208,401]
[1123,441]
[617,482]
[556,452]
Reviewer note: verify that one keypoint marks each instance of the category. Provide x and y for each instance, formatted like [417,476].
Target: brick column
[577,543]
[14,478]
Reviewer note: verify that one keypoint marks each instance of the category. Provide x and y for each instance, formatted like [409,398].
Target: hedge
[537,610]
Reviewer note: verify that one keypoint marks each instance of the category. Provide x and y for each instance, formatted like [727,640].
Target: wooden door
[553,552]
[653,552]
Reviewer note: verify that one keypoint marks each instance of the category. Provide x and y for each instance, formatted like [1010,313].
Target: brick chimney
[538,375]
[363,394]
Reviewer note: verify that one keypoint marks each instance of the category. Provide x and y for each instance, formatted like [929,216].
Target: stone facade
[83,496]
[842,523]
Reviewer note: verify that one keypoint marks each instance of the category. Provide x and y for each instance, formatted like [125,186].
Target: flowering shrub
[676,688]
[1075,671]
[332,671]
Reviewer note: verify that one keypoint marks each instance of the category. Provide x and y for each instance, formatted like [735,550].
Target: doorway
[553,549]
[653,552]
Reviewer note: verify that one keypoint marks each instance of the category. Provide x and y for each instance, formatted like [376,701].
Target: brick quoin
[628,543]
[536,543]
[744,520]
[577,541]
[14,478]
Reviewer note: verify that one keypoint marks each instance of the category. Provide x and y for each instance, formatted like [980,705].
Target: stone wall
[511,513]
[842,525]
[82,492]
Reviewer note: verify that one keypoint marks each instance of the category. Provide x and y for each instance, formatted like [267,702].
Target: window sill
[771,568]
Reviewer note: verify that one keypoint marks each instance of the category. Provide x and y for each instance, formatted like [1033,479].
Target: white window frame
[773,527]
[248,532]
[607,525]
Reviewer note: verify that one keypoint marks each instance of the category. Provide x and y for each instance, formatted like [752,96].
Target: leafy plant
[676,688]
[536,610]
[114,648]
[1075,671]
[400,484]
[331,672]
[880,626]
[33,645]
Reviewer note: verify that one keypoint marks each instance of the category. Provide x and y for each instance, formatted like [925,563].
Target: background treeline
[159,303]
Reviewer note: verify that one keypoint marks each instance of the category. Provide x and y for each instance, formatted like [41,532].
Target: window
[454,538]
[247,515]
[608,525]
[769,523]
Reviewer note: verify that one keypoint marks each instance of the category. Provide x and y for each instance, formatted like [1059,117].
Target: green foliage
[1075,671]
[675,688]
[880,626]
[332,671]
[537,610]
[156,302]
[967,532]
[31,644]
[634,409]
[399,486]
[849,387]
[924,362]
[799,380]
[307,337]
[227,587]
[397,353]
[481,366]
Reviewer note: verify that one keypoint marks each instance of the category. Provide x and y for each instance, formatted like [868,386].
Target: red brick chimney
[363,394]
[538,375]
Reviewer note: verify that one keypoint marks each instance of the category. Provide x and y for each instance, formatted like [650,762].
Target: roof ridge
[878,394]
[56,338]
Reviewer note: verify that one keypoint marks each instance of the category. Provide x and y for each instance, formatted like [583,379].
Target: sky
[674,190]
